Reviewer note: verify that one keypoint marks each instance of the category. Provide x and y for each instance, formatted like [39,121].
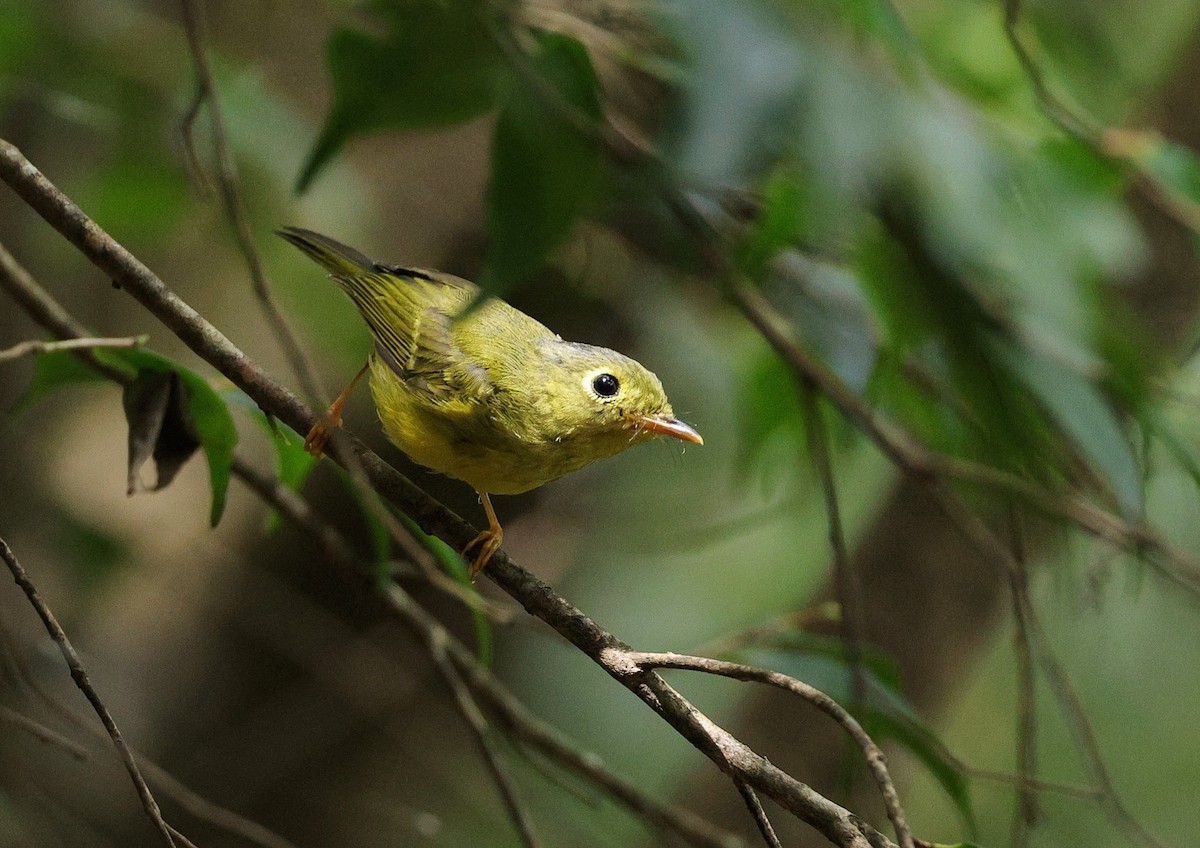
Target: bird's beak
[665,425]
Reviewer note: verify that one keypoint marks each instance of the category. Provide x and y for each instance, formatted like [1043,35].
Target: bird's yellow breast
[460,438]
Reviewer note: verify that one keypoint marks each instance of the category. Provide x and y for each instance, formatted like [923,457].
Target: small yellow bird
[495,398]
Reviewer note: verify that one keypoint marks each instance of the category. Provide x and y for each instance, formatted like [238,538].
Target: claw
[320,433]
[331,419]
[489,540]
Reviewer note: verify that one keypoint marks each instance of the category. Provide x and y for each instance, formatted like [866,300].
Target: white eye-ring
[602,384]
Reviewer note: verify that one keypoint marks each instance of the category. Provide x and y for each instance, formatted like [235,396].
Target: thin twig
[978,533]
[876,762]
[728,753]
[45,734]
[469,710]
[1026,814]
[80,676]
[47,312]
[847,586]
[37,346]
[234,207]
[759,815]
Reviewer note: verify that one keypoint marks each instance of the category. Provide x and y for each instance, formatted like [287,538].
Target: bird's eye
[605,385]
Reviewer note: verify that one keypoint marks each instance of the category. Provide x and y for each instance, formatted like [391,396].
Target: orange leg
[319,435]
[489,540]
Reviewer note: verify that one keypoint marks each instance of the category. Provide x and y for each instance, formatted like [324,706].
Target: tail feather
[336,258]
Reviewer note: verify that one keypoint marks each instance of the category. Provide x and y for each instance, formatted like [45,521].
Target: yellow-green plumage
[495,398]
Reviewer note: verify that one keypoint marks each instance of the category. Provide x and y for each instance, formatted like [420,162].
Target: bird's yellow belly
[457,440]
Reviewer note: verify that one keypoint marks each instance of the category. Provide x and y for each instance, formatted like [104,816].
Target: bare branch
[737,671]
[469,710]
[235,210]
[40,731]
[35,346]
[978,533]
[759,815]
[80,676]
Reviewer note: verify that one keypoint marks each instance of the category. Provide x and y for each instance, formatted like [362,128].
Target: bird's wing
[410,314]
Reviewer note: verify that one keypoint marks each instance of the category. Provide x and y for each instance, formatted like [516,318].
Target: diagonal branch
[760,816]
[84,683]
[468,708]
[510,713]
[737,671]
[235,209]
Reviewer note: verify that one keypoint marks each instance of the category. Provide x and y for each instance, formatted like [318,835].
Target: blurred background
[1012,280]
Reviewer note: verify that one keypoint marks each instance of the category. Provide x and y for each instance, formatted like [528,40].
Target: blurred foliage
[884,174]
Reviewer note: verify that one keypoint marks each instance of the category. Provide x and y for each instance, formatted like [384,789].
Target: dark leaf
[435,66]
[546,167]
[205,414]
[159,426]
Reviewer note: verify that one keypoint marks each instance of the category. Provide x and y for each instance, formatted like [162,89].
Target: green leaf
[55,369]
[1175,166]
[292,462]
[546,168]
[781,221]
[453,565]
[1085,415]
[435,66]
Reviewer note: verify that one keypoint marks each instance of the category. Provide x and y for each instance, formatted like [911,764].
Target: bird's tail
[333,256]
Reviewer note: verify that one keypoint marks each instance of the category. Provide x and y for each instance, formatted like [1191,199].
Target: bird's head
[613,397]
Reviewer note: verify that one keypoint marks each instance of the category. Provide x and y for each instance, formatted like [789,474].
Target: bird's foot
[489,542]
[320,433]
